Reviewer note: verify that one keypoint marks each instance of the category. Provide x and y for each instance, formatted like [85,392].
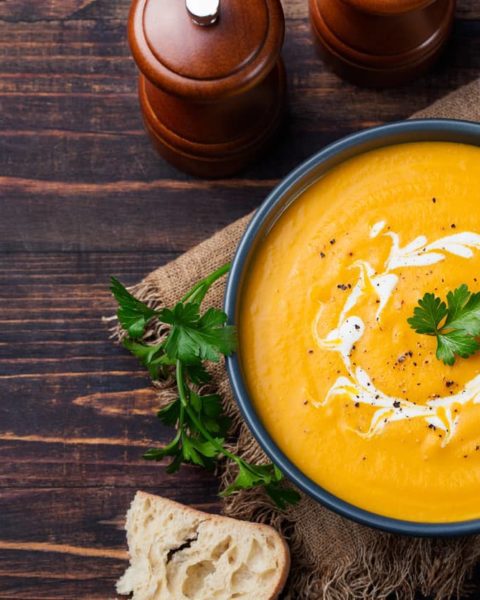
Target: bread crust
[280,551]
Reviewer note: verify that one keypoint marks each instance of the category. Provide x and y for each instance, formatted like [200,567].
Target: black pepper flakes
[332,241]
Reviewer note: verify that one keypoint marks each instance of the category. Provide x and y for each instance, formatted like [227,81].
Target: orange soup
[347,389]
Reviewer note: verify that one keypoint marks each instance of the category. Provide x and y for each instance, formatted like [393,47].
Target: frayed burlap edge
[332,558]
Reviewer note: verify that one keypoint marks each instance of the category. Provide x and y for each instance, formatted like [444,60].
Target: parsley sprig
[455,324]
[194,337]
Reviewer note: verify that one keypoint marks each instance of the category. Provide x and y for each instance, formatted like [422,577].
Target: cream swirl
[440,413]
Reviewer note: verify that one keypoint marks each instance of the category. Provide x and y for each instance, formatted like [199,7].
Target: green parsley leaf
[428,314]
[455,342]
[267,475]
[171,449]
[175,465]
[199,451]
[464,310]
[152,357]
[132,314]
[207,448]
[250,475]
[197,374]
[455,324]
[170,413]
[282,496]
[209,410]
[190,453]
[154,454]
[194,338]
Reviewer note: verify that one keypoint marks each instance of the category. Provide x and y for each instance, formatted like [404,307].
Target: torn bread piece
[178,553]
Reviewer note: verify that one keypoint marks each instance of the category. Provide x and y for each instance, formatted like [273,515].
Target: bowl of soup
[339,390]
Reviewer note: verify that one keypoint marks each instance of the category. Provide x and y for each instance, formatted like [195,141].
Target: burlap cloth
[332,557]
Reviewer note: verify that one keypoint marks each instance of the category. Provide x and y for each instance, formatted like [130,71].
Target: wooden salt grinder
[212,83]
[381,42]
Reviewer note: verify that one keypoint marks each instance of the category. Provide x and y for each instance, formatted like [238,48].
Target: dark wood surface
[84,196]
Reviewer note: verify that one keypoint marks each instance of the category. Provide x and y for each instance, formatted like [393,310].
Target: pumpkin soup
[347,389]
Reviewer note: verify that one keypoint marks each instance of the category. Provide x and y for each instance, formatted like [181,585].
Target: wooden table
[84,196]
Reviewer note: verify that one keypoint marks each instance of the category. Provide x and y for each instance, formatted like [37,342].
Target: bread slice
[178,553]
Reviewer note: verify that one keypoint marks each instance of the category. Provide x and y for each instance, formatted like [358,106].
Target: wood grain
[75,418]
[83,196]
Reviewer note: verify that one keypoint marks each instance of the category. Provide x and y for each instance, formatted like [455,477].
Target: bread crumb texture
[178,553]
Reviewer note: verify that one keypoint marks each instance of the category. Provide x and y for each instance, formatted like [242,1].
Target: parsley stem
[182,393]
[199,290]
[178,435]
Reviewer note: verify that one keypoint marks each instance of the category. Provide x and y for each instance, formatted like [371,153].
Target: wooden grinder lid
[388,7]
[189,59]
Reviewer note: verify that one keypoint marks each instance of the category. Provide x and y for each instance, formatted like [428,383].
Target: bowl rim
[435,127]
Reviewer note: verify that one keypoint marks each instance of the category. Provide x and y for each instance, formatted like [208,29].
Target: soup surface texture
[347,389]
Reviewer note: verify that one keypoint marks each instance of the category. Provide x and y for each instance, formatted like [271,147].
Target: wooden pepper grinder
[381,42]
[212,83]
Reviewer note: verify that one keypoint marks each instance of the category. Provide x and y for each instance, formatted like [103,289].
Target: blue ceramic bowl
[278,200]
